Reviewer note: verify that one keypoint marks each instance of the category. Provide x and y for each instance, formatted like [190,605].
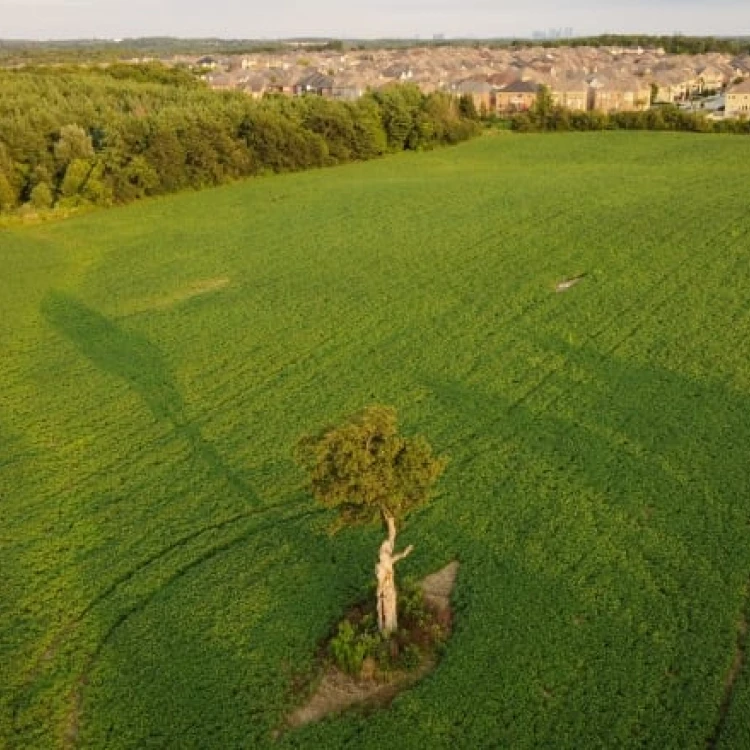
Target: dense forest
[100,136]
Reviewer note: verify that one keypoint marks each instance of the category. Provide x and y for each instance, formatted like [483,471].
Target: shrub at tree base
[360,650]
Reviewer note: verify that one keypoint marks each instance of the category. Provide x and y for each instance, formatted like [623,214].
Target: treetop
[366,470]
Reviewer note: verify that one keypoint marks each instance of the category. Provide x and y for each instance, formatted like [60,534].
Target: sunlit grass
[164,580]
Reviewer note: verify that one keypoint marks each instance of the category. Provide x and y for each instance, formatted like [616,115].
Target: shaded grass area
[165,582]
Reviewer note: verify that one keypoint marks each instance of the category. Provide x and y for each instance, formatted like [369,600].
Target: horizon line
[338,38]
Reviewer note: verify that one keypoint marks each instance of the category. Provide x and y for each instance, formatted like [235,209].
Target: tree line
[674,44]
[82,50]
[73,138]
[544,115]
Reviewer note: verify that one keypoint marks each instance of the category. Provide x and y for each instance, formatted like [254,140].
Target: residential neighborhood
[499,80]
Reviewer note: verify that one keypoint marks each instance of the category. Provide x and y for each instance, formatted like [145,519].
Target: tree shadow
[59,678]
[626,484]
[612,417]
[138,362]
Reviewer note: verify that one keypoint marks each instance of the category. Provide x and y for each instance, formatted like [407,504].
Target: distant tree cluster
[82,51]
[79,51]
[88,138]
[675,44]
[546,116]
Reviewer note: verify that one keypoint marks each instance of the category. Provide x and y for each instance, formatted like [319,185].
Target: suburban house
[314,83]
[255,86]
[738,100]
[280,81]
[503,78]
[398,73]
[570,93]
[480,91]
[500,80]
[208,62]
[711,78]
[348,88]
[516,97]
[741,66]
[619,95]
[672,86]
[221,82]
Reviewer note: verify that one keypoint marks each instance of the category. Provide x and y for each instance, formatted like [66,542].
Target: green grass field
[164,580]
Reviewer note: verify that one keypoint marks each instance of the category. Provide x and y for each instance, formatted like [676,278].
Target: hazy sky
[47,19]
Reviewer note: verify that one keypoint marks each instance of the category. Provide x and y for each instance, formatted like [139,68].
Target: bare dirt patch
[565,284]
[194,289]
[338,691]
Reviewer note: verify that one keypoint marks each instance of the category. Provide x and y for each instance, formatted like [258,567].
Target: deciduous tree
[368,472]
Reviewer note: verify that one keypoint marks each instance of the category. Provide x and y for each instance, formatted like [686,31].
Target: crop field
[164,582]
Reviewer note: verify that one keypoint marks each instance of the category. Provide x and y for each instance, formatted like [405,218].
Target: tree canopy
[76,136]
[366,470]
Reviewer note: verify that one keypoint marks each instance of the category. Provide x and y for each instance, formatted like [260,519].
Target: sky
[261,19]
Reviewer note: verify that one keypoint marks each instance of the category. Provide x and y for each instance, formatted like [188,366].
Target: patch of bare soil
[565,284]
[194,289]
[439,586]
[338,691]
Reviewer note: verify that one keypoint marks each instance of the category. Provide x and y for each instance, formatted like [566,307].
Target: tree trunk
[387,595]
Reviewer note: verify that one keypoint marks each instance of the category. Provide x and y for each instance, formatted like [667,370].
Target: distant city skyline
[243,19]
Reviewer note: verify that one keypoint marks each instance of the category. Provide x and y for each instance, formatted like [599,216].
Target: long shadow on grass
[629,480]
[134,359]
[217,675]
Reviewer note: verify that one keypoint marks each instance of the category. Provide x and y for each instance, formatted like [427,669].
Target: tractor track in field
[124,578]
[544,299]
[75,697]
[48,656]
[740,659]
[674,292]
[739,662]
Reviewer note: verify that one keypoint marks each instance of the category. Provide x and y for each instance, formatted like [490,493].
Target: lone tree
[370,473]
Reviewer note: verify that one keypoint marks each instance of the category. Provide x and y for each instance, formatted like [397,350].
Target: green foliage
[411,657]
[411,602]
[41,196]
[357,637]
[74,143]
[545,116]
[543,108]
[675,44]
[152,72]
[467,108]
[350,647]
[76,176]
[149,130]
[406,113]
[87,51]
[364,469]
[7,194]
[162,575]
